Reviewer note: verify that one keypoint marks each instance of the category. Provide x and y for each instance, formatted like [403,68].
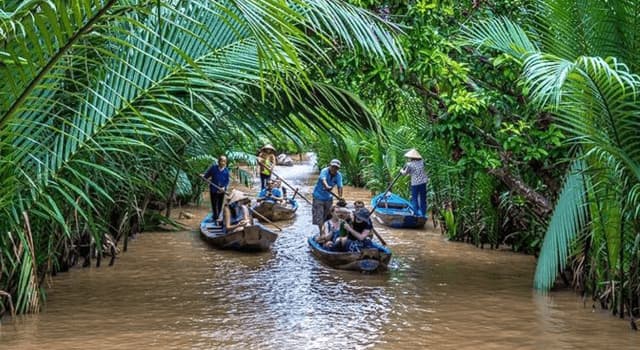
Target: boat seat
[385,204]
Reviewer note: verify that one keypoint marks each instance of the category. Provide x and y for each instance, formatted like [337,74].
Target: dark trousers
[419,199]
[216,203]
[264,181]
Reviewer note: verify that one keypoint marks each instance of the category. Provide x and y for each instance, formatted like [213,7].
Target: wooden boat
[251,238]
[277,211]
[395,211]
[284,160]
[368,259]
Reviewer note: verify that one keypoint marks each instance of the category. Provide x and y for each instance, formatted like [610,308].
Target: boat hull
[251,238]
[395,211]
[276,211]
[368,259]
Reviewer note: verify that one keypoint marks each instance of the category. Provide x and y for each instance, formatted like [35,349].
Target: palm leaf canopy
[88,86]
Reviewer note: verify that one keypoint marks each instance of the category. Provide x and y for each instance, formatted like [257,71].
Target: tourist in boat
[323,200]
[266,161]
[218,176]
[330,229]
[415,168]
[236,212]
[359,233]
[271,192]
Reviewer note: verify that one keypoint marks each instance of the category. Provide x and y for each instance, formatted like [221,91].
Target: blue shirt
[319,192]
[275,192]
[218,177]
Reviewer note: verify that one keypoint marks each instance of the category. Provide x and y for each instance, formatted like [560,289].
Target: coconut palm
[579,60]
[104,101]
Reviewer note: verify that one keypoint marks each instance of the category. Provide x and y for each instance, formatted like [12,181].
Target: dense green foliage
[504,109]
[493,159]
[111,107]
[581,65]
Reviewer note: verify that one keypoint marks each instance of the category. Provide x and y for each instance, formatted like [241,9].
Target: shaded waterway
[172,291]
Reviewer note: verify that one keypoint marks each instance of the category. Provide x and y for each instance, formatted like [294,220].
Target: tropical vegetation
[109,106]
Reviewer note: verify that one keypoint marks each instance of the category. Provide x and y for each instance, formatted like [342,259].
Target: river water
[172,291]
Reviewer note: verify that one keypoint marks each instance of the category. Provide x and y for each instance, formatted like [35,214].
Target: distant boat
[367,259]
[251,238]
[395,211]
[277,211]
[284,160]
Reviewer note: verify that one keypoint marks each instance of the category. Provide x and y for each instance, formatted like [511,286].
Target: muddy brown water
[172,291]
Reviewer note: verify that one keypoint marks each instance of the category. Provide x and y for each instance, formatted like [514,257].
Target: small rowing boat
[250,238]
[395,211]
[374,257]
[275,211]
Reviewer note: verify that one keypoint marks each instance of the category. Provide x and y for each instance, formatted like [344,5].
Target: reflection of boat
[251,238]
[369,259]
[395,211]
[275,211]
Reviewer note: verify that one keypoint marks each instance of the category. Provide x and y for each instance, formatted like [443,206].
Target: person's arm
[339,184]
[209,173]
[247,218]
[359,235]
[323,177]
[227,218]
[225,180]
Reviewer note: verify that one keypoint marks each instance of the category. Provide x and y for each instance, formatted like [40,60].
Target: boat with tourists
[394,211]
[276,210]
[251,238]
[373,257]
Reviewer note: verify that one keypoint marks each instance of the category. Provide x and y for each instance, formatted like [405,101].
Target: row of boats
[390,210]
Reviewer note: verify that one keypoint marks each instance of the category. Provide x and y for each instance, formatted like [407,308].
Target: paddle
[372,229]
[283,180]
[250,209]
[385,192]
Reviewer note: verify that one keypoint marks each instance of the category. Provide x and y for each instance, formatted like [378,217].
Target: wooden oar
[250,209]
[265,219]
[372,229]
[385,193]
[283,180]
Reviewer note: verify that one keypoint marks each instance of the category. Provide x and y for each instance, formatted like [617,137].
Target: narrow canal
[172,291]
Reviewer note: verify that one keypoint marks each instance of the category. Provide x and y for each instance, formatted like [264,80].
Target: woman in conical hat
[415,168]
[236,212]
[266,161]
[413,154]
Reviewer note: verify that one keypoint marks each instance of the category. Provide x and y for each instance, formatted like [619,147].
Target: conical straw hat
[267,147]
[413,154]
[235,196]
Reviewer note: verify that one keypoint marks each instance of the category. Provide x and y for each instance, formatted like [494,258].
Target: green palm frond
[568,218]
[500,34]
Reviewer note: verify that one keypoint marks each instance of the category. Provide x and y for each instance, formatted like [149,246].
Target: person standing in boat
[415,168]
[236,212]
[218,176]
[266,161]
[323,200]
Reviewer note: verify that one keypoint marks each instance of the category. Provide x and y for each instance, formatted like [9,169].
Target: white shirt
[416,169]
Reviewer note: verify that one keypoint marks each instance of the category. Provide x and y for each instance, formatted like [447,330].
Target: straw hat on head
[236,196]
[413,154]
[268,147]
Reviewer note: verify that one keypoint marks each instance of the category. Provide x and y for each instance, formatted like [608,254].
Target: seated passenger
[271,193]
[330,229]
[236,212]
[359,232]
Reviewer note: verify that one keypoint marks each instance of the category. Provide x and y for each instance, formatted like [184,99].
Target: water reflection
[173,291]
